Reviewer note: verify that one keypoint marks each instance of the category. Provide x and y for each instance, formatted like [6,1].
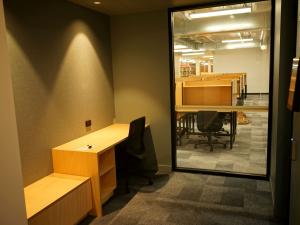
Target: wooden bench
[58,199]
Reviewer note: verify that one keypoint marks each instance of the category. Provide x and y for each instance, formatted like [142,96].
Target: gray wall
[141,75]
[62,75]
[285,45]
[12,210]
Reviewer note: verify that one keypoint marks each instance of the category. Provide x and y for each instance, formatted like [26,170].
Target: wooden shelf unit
[97,162]
[108,184]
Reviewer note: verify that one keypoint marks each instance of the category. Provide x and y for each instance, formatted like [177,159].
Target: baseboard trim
[164,169]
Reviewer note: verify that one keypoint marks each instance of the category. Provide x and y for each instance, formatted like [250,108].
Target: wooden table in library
[185,126]
[93,155]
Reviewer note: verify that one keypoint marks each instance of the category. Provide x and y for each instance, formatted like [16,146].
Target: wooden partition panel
[213,95]
[178,93]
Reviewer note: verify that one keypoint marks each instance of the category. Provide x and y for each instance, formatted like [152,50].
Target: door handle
[294,149]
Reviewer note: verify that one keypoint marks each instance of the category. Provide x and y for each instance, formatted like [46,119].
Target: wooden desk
[98,162]
[196,108]
[186,121]
[58,199]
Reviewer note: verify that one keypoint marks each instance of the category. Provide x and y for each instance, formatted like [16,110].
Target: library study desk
[93,155]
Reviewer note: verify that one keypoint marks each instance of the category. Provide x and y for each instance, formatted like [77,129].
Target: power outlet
[88,123]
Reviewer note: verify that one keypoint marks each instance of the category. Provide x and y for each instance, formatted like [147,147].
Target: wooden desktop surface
[100,140]
[48,190]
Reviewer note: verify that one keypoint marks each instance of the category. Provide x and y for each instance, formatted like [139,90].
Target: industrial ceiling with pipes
[199,33]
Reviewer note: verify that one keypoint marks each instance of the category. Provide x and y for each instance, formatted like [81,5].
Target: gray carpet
[191,199]
[249,152]
[248,155]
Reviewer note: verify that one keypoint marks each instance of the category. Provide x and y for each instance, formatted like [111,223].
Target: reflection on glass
[293,80]
[221,64]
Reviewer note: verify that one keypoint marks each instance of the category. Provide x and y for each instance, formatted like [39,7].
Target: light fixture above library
[180,47]
[183,50]
[97,2]
[237,40]
[189,50]
[229,27]
[193,53]
[240,45]
[220,13]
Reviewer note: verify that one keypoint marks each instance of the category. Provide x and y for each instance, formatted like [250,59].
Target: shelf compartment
[108,184]
[106,161]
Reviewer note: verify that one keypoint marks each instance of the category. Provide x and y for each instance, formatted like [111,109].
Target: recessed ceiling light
[97,3]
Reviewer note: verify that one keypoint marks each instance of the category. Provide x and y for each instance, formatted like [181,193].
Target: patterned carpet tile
[248,154]
[191,199]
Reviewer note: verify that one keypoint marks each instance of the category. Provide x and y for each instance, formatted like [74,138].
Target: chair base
[210,143]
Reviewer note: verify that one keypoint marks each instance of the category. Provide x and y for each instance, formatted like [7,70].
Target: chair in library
[210,125]
[131,153]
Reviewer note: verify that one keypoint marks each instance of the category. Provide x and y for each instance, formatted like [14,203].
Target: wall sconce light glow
[194,53]
[220,13]
[237,40]
[97,3]
[180,46]
[241,45]
[263,47]
[228,27]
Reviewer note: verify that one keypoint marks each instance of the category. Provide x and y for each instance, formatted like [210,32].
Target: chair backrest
[135,142]
[208,121]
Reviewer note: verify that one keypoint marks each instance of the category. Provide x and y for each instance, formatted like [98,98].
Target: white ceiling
[119,7]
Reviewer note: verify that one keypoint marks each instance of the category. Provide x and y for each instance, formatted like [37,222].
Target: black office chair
[210,124]
[131,153]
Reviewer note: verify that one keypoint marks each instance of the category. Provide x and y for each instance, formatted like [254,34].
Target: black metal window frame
[172,91]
